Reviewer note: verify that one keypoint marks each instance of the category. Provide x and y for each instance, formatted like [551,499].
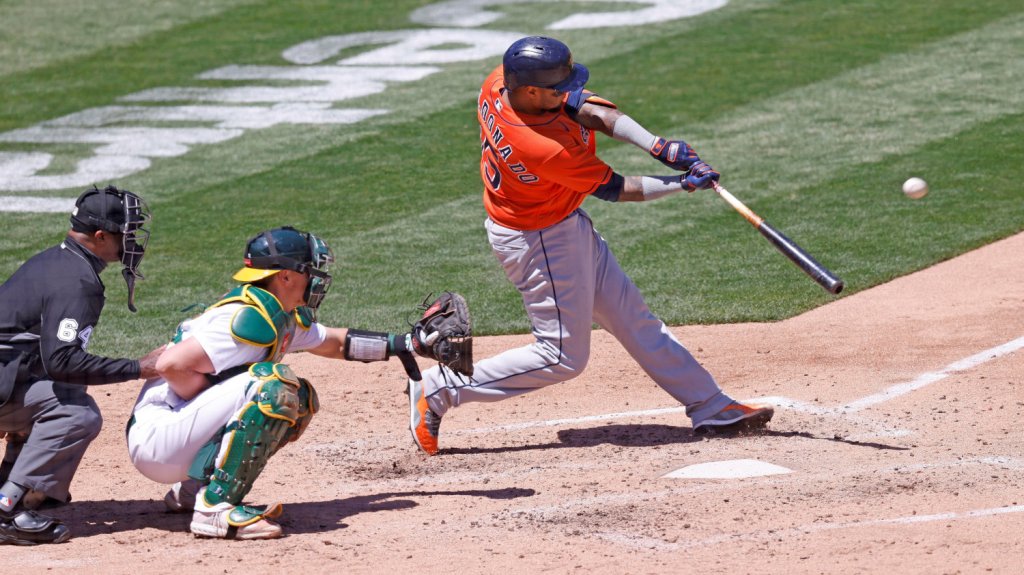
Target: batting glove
[675,154]
[700,177]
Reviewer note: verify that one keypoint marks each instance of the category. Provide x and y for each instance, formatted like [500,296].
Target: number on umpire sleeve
[68,330]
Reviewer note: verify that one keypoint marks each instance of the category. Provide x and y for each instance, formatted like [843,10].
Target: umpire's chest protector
[262,322]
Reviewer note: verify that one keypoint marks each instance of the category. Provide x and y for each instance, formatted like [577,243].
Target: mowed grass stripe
[242,33]
[399,197]
[206,166]
[806,136]
[38,33]
[436,241]
[901,103]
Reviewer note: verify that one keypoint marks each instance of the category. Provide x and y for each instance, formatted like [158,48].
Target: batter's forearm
[675,154]
[614,123]
[647,188]
[627,130]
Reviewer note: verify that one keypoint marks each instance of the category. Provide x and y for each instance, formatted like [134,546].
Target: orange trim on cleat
[423,423]
[737,417]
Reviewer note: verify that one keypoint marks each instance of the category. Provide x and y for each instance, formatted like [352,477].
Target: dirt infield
[899,413]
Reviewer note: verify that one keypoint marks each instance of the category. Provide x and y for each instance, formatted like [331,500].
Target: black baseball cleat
[31,528]
[736,417]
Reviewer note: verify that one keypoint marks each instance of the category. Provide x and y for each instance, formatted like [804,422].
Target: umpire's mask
[286,248]
[117,212]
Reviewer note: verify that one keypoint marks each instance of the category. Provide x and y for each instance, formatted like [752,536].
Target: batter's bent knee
[567,362]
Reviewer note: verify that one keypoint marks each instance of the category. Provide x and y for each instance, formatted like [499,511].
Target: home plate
[735,469]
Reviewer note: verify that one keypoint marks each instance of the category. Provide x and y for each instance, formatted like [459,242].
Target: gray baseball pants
[569,279]
[60,421]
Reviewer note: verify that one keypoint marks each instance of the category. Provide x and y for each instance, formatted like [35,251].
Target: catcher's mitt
[444,332]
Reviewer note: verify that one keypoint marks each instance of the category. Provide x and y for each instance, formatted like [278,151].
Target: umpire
[48,310]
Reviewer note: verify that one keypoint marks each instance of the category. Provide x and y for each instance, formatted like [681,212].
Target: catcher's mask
[543,62]
[286,248]
[117,212]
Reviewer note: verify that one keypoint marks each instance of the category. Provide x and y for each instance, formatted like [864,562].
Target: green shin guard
[278,413]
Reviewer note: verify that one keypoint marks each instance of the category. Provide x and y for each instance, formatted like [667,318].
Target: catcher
[224,403]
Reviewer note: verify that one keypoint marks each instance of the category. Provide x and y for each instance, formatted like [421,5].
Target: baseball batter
[538,165]
[223,403]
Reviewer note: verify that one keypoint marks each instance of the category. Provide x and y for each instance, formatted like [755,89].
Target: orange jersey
[536,169]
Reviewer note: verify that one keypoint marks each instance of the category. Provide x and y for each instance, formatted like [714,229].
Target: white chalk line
[875,427]
[892,392]
[792,532]
[926,379]
[571,420]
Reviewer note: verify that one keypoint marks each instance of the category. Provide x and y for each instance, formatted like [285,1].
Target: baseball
[915,188]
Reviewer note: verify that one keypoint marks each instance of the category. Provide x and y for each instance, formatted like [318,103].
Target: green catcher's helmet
[287,248]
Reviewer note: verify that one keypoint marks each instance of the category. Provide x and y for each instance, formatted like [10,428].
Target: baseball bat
[788,247]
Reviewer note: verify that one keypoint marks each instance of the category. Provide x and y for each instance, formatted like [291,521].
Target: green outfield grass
[814,111]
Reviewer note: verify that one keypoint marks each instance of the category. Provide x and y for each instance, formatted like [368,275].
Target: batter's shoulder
[574,102]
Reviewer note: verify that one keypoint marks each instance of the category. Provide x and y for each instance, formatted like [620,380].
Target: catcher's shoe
[36,500]
[423,423]
[26,527]
[227,521]
[737,417]
[181,497]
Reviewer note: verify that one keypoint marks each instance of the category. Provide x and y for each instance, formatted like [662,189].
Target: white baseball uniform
[167,431]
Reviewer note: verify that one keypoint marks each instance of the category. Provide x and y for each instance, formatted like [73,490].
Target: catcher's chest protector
[262,322]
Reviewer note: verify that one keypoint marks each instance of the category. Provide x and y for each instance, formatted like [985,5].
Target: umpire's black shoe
[22,527]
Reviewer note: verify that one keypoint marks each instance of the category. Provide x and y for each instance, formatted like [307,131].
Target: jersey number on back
[67,330]
[491,170]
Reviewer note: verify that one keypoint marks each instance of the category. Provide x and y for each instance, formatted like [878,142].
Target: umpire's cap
[110,209]
[543,62]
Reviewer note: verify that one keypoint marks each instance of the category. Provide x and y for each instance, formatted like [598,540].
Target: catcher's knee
[278,393]
[309,404]
[280,410]
[285,397]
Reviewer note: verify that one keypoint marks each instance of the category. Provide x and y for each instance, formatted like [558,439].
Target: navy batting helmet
[543,62]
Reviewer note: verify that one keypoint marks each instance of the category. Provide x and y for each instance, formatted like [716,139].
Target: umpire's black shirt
[49,308]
